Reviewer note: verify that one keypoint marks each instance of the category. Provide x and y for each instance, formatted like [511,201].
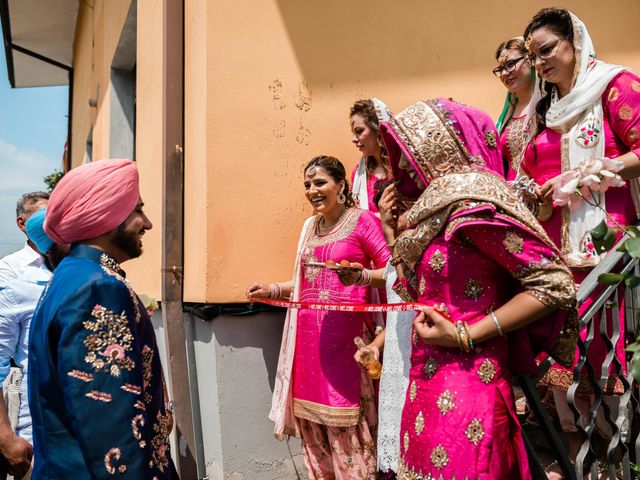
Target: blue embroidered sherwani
[96,389]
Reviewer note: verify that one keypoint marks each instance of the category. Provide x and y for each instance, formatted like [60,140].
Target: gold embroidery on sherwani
[437,261]
[406,441]
[439,457]
[430,367]
[136,423]
[487,371]
[160,442]
[635,85]
[413,391]
[109,341]
[474,431]
[473,289]
[112,268]
[112,456]
[513,242]
[446,402]
[419,423]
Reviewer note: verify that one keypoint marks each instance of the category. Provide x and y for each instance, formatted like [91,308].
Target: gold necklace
[321,224]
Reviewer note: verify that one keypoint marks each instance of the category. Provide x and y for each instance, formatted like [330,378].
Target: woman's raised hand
[259,290]
[388,206]
[434,329]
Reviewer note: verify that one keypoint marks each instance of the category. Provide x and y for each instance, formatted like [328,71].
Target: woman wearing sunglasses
[518,77]
[588,110]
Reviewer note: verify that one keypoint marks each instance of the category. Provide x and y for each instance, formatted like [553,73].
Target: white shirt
[25,264]
[18,300]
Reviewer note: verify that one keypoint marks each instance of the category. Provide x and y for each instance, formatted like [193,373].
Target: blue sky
[33,130]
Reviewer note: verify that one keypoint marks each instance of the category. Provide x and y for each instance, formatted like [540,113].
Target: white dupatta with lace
[281,413]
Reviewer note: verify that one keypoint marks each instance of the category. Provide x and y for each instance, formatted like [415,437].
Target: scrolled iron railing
[597,458]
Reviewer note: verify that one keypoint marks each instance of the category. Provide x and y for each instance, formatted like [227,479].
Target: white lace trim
[394,380]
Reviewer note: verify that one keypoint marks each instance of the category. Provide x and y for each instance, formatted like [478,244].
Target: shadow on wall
[263,331]
[373,40]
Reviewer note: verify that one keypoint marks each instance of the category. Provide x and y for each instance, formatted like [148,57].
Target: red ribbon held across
[345,307]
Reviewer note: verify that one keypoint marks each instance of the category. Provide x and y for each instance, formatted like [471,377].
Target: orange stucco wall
[268,86]
[97,33]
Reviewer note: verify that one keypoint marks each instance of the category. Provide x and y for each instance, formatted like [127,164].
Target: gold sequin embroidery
[635,85]
[633,135]
[413,391]
[439,457]
[446,402]
[422,286]
[487,371]
[613,94]
[109,342]
[473,289]
[474,431]
[430,367]
[513,242]
[419,423]
[490,139]
[406,441]
[437,261]
[625,113]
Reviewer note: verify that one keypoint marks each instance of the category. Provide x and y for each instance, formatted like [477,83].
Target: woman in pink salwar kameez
[589,109]
[321,394]
[480,262]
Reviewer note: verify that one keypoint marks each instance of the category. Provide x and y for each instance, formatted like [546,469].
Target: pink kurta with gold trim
[326,378]
[459,418]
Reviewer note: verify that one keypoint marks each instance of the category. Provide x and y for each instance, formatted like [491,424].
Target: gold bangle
[497,322]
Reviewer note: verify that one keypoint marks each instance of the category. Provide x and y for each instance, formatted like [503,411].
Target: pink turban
[92,200]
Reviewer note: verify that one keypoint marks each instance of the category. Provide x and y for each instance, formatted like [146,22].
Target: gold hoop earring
[341,198]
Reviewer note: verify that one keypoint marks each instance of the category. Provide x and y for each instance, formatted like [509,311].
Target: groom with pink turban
[97,395]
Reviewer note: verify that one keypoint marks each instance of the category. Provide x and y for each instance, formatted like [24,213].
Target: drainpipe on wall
[173,233]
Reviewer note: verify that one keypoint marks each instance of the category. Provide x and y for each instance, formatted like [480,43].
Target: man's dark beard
[127,242]
[53,257]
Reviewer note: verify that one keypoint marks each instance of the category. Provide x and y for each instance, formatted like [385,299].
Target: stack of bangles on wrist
[465,342]
[275,291]
[364,278]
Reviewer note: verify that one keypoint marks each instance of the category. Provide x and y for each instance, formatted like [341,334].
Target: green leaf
[600,231]
[635,366]
[607,242]
[633,247]
[610,278]
[632,281]
[633,347]
[622,248]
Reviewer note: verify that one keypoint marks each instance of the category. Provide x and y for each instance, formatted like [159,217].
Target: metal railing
[598,457]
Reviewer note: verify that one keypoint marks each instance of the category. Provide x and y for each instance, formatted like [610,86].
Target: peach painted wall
[97,34]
